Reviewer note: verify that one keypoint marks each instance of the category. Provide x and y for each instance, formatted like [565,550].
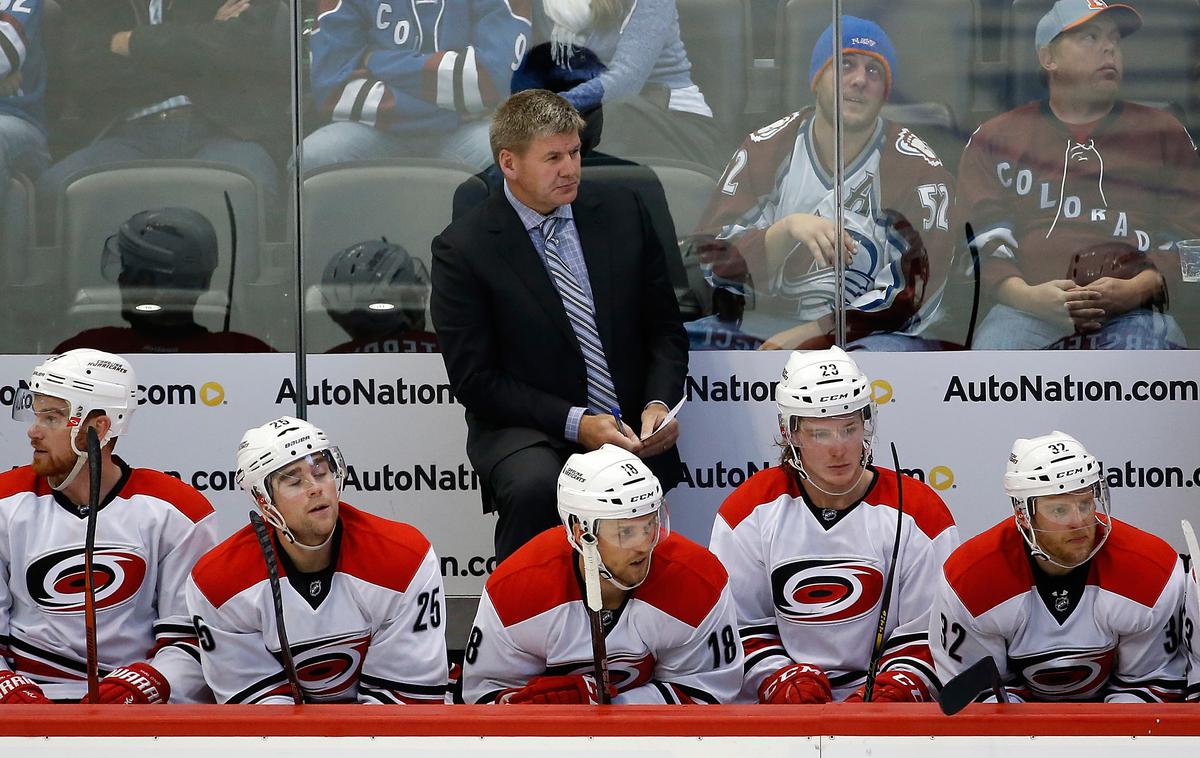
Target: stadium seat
[716,35]
[17,275]
[95,204]
[1159,58]
[408,201]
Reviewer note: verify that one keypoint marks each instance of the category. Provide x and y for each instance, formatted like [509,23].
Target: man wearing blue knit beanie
[770,230]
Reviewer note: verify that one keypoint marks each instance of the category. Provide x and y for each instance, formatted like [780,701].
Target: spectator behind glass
[419,79]
[767,238]
[1076,201]
[378,293]
[163,260]
[22,85]
[154,79]
[652,104]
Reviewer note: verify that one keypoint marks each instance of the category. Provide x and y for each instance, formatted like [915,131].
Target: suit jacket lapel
[593,236]
[514,247]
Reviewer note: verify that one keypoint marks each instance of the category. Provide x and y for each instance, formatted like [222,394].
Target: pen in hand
[616,414]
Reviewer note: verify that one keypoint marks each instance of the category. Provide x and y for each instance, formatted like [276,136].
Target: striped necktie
[601,395]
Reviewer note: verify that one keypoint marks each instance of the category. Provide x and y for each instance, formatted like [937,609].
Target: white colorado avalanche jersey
[809,582]
[674,640]
[150,531]
[1113,634]
[377,634]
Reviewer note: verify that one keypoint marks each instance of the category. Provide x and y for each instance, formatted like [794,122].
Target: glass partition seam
[839,165]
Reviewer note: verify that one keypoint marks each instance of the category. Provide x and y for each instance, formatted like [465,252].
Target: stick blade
[962,690]
[1189,537]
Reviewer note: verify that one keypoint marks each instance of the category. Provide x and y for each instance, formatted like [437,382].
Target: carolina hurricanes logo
[825,590]
[625,670]
[1065,674]
[56,580]
[328,667]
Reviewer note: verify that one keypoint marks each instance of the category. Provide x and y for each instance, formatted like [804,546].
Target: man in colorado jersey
[150,530]
[401,79]
[668,615]
[1070,603]
[770,227]
[1076,201]
[362,596]
[808,545]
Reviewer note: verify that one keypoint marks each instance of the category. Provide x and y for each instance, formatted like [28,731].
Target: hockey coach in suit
[558,324]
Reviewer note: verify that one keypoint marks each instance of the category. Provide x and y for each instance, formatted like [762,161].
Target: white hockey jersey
[1191,638]
[809,585]
[1120,642]
[149,533]
[378,636]
[674,641]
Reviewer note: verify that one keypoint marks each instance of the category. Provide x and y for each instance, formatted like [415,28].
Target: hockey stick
[591,585]
[962,690]
[268,552]
[89,581]
[232,257]
[1189,537]
[975,297]
[877,646]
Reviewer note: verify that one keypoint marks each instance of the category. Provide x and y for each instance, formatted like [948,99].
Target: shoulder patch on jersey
[921,502]
[685,580]
[19,480]
[908,143]
[231,567]
[185,498]
[1133,564]
[765,133]
[989,568]
[535,579]
[763,487]
[380,551]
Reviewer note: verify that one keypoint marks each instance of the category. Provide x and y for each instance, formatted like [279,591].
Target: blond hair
[530,114]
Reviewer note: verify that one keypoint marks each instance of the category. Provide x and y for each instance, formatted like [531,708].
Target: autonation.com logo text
[1067,390]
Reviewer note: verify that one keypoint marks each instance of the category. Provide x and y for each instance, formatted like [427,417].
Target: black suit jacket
[511,355]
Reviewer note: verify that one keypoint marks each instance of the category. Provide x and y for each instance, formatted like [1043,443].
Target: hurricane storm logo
[826,590]
[56,580]
[327,668]
[1066,674]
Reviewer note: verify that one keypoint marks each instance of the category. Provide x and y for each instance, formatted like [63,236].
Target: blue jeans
[22,151]
[346,141]
[184,135]
[1007,328]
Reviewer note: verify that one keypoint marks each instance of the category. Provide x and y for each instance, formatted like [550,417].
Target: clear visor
[299,476]
[42,411]
[849,429]
[1081,508]
[638,533]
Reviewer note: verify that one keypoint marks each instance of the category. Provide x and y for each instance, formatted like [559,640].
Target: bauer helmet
[375,288]
[165,248]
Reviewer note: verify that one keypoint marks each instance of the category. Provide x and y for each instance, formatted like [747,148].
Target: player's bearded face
[1066,525]
[50,437]
[864,87]
[306,494]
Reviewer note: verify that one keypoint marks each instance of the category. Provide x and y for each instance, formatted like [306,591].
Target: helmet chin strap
[275,519]
[607,575]
[1037,552]
[80,460]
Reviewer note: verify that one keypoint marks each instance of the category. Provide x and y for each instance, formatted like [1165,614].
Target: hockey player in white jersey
[150,530]
[1069,602]
[362,598]
[1191,622]
[809,545]
[668,615]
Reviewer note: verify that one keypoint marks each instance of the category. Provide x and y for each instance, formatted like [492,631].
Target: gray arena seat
[716,35]
[1159,58]
[688,187]
[95,203]
[408,201]
[18,272]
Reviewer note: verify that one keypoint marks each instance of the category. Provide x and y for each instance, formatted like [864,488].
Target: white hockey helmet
[266,449]
[89,381]
[609,484]
[1053,464]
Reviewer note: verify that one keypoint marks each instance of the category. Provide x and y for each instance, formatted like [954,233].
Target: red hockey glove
[795,684]
[894,687]
[135,684]
[16,689]
[575,689]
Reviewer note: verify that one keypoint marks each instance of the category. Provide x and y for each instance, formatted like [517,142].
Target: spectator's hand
[231,9]
[596,430]
[10,85]
[119,44]
[894,687]
[797,684]
[1061,302]
[800,335]
[819,235]
[665,439]
[1117,296]
[722,256]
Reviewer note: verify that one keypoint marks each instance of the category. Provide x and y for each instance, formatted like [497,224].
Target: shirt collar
[531,218]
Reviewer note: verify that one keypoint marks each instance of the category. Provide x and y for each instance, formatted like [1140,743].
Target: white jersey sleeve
[958,640]
[492,660]
[1150,656]
[406,661]
[757,625]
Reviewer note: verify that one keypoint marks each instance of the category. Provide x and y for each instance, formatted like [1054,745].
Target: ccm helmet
[1053,464]
[375,288]
[266,449]
[89,381]
[164,247]
[609,484]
